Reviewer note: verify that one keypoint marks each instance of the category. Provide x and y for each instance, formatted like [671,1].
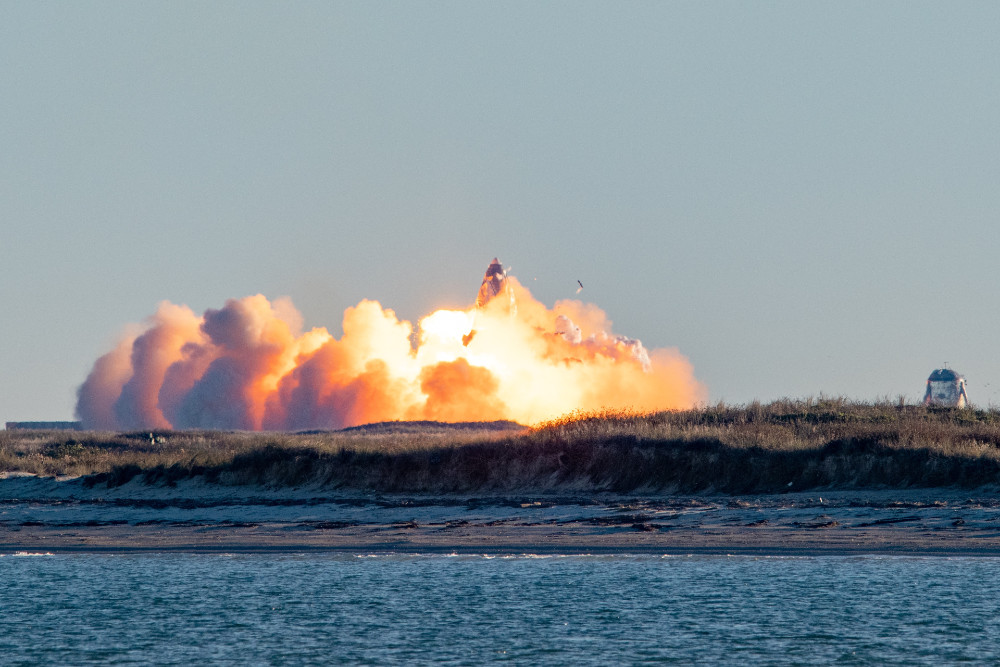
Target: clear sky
[802,197]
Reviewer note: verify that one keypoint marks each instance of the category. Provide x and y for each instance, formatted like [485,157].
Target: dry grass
[73,453]
[786,445]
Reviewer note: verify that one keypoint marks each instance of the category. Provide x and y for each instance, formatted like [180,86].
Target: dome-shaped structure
[946,387]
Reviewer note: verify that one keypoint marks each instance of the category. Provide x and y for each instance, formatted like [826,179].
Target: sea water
[469,610]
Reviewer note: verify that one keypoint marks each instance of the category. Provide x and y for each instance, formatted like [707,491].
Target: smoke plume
[249,365]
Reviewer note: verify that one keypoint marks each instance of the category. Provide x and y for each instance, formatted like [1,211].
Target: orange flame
[249,366]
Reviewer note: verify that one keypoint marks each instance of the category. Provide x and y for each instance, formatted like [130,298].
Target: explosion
[249,366]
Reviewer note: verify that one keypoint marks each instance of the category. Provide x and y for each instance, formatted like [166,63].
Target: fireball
[250,366]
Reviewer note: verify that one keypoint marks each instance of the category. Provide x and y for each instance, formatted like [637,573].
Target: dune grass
[789,445]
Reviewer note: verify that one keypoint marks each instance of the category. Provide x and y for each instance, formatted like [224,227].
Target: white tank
[946,387]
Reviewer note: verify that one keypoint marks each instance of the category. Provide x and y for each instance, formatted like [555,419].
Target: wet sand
[525,539]
[46,515]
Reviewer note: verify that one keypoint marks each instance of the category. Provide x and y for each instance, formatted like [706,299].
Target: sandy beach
[50,515]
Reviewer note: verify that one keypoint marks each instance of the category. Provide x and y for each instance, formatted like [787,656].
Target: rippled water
[467,610]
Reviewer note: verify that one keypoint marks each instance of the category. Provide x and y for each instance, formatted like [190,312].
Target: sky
[801,197]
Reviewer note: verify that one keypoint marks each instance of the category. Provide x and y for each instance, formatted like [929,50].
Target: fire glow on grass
[249,366]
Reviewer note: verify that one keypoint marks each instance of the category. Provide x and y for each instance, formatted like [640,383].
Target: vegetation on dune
[782,446]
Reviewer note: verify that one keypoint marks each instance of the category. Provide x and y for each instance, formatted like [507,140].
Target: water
[470,610]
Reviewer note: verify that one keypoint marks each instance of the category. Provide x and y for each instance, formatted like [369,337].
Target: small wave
[22,554]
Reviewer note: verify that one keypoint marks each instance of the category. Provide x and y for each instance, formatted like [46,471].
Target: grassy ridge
[781,446]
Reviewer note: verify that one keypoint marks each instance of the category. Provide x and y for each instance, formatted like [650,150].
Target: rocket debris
[494,282]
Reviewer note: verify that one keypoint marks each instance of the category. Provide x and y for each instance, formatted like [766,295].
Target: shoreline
[535,551]
[46,515]
[133,542]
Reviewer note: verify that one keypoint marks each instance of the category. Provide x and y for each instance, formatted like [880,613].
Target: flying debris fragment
[946,388]
[580,288]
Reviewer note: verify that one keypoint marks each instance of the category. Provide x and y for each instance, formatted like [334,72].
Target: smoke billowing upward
[250,366]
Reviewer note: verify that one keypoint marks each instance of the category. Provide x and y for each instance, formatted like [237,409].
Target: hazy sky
[802,197]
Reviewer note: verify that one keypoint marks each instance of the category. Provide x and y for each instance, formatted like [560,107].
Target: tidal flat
[191,518]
